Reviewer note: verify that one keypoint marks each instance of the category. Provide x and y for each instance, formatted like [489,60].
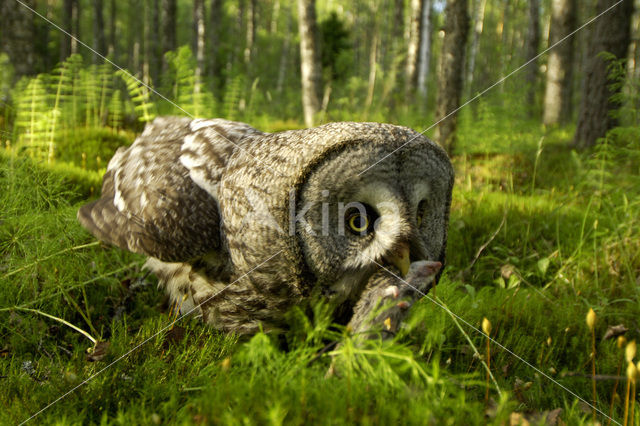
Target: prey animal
[240,225]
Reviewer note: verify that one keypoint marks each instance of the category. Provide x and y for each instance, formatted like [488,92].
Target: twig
[67,323]
[22,268]
[485,245]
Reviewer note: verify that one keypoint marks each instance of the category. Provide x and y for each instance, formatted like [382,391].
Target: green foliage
[140,95]
[334,47]
[233,100]
[188,90]
[33,118]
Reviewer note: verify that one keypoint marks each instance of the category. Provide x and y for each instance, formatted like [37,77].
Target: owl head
[336,202]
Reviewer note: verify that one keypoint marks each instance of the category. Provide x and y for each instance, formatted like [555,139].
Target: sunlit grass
[533,256]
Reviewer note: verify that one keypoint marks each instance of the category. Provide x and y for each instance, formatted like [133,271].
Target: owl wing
[159,196]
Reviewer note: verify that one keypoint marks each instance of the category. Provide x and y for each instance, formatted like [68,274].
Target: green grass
[559,232]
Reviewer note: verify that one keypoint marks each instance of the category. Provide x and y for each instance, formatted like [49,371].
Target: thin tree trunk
[309,59]
[168,25]
[251,34]
[413,46]
[111,49]
[533,42]
[452,72]
[69,24]
[558,91]
[146,42]
[612,33]
[284,55]
[198,42]
[505,54]
[75,23]
[215,19]
[99,44]
[154,55]
[373,66]
[394,74]
[425,47]
[275,16]
[478,26]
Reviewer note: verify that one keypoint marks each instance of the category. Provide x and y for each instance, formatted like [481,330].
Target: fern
[33,117]
[187,88]
[140,96]
[115,111]
[232,97]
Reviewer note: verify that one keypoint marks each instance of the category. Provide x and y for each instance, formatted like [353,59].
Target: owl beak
[400,259]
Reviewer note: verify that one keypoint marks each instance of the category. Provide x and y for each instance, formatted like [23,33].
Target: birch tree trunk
[612,33]
[478,26]
[425,47]
[284,55]
[532,44]
[452,72]
[310,67]
[251,34]
[198,41]
[558,91]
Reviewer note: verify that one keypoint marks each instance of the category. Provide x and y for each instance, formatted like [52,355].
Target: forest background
[535,100]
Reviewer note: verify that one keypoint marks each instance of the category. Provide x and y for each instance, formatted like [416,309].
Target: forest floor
[539,234]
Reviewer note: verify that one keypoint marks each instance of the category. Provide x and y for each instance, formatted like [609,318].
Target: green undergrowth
[538,235]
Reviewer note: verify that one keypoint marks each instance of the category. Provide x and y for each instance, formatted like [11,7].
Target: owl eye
[421,212]
[359,222]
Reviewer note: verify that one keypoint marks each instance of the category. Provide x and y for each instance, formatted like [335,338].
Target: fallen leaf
[614,331]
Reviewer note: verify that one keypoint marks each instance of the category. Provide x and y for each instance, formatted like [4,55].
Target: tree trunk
[425,47]
[532,44]
[69,19]
[310,67]
[251,34]
[284,55]
[99,44]
[373,67]
[478,26]
[215,20]
[558,92]
[452,72]
[612,33]
[275,16]
[18,36]
[111,49]
[198,43]
[413,46]
[75,23]
[155,57]
[168,25]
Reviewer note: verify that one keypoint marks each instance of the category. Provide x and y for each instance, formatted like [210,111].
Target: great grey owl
[241,225]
